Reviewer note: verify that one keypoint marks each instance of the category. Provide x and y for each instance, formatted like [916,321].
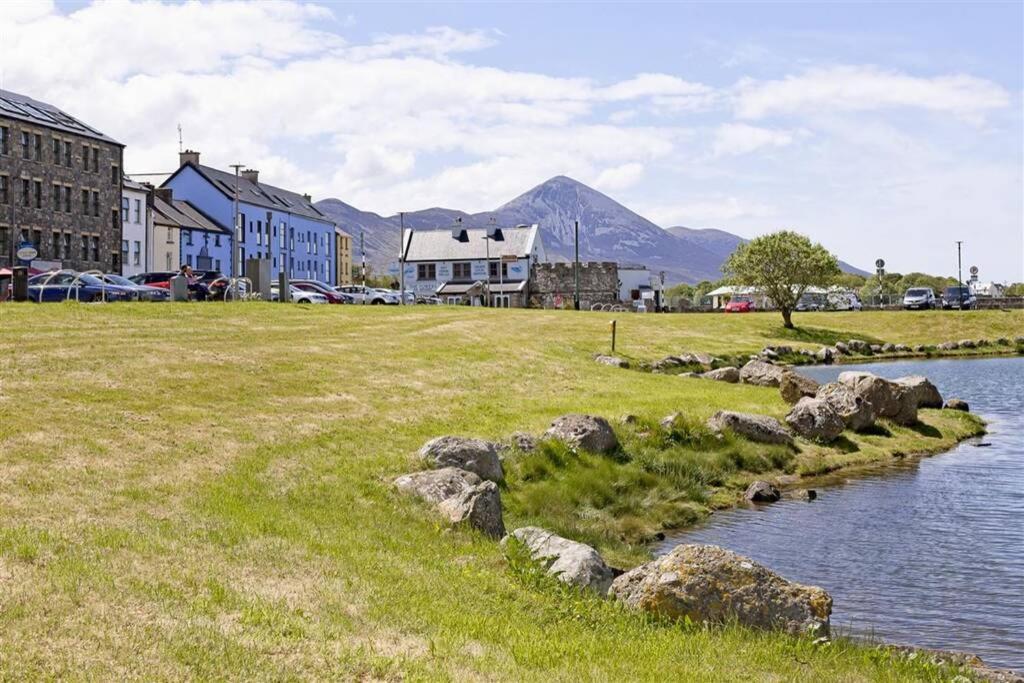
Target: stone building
[60,187]
[553,285]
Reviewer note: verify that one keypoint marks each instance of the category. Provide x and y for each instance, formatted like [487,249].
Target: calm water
[931,554]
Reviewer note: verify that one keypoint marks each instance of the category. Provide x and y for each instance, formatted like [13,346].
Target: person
[194,285]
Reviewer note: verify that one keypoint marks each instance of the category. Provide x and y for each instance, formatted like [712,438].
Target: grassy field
[203,491]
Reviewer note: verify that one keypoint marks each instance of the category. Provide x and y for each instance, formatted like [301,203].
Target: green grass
[203,491]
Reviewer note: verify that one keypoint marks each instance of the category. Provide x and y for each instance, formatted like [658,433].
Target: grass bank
[202,491]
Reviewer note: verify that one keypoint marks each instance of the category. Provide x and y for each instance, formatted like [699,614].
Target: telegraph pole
[362,250]
[576,269]
[236,257]
[401,258]
[959,275]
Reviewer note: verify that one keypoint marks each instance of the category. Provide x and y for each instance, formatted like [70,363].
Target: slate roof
[181,214]
[260,194]
[24,108]
[441,245]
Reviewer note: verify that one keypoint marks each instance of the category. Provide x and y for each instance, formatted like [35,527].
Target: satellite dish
[879,263]
[974,270]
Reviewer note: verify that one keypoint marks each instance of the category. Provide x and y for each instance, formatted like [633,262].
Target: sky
[881,130]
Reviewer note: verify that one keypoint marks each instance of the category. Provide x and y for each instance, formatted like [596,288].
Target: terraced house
[274,224]
[60,187]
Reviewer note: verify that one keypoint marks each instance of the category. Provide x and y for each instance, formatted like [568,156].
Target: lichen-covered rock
[815,419]
[967,344]
[920,348]
[858,346]
[957,404]
[983,342]
[856,412]
[843,348]
[473,455]
[923,392]
[697,358]
[876,348]
[762,492]
[727,374]
[705,583]
[762,374]
[825,355]
[888,347]
[669,421]
[588,432]
[948,346]
[667,363]
[891,400]
[614,361]
[461,496]
[574,563]
[523,442]
[794,386]
[760,428]
[902,348]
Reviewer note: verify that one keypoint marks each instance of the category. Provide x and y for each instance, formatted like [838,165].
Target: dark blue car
[67,284]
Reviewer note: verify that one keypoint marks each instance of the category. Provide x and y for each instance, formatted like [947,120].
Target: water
[931,554]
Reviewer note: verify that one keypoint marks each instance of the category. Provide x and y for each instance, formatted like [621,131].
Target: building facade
[489,266]
[344,251]
[60,187]
[553,285]
[136,228]
[274,224]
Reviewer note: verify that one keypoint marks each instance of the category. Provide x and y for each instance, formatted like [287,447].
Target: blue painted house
[278,225]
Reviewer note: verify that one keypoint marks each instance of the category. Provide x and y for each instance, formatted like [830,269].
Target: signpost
[26,252]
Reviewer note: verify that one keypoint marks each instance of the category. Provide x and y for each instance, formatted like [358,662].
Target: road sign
[26,251]
[879,264]
[974,270]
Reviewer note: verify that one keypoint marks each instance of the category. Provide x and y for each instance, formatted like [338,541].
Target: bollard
[179,288]
[19,283]
[283,286]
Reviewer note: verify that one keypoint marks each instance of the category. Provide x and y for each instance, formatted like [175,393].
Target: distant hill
[608,231]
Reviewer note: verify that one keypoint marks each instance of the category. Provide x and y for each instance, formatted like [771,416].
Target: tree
[782,265]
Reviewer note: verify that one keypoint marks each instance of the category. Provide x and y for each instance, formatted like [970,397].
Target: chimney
[188,157]
[164,193]
[308,198]
[251,174]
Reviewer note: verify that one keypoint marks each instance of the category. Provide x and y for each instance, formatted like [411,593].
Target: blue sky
[885,130]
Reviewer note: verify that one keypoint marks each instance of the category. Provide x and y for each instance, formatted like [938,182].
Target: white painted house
[472,265]
[137,228]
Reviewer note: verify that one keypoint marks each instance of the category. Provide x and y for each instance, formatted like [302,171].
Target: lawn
[203,490]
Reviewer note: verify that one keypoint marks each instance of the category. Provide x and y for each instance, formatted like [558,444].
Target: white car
[299,296]
[368,295]
[844,301]
[919,297]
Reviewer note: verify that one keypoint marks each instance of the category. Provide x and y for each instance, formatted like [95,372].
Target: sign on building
[478,270]
[444,272]
[517,270]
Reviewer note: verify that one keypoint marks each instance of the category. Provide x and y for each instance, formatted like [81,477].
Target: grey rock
[760,428]
[698,358]
[474,455]
[876,348]
[858,346]
[948,346]
[825,354]
[806,495]
[924,393]
[967,344]
[761,492]
[888,348]
[843,348]
[629,419]
[902,348]
[856,412]
[920,348]
[461,496]
[891,400]
[669,421]
[574,563]
[769,354]
[795,386]
[435,486]
[588,432]
[957,404]
[762,374]
[727,374]
[1018,340]
[614,361]
[815,419]
[983,342]
[521,441]
[705,583]
[1003,341]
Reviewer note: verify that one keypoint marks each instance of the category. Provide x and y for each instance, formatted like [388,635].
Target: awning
[496,288]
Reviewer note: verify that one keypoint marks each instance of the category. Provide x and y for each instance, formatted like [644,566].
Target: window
[85,247]
[25,201]
[65,249]
[85,157]
[216,240]
[113,220]
[5,189]
[461,271]
[67,154]
[56,196]
[56,151]
[67,199]
[137,254]
[4,240]
[55,245]
[492,269]
[25,144]
[37,239]
[124,250]
[168,259]
[188,260]
[115,175]
[85,202]
[95,248]
[37,190]
[138,210]
[5,140]
[216,264]
[37,147]
[96,205]
[426,271]
[95,159]
[188,237]
[124,209]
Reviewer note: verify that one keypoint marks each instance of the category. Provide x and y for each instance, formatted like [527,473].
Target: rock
[1018,340]
[890,400]
[888,348]
[1003,341]
[806,495]
[727,374]
[760,428]
[762,374]
[474,455]
[967,344]
[795,386]
[825,355]
[521,441]
[666,363]
[669,421]
[761,492]
[843,348]
[920,348]
[876,348]
[858,346]
[689,374]
[925,394]
[815,419]
[459,495]
[769,354]
[983,342]
[957,404]
[705,583]
[614,361]
[590,433]
[629,419]
[574,563]
[856,412]
[902,348]
[948,346]
[705,359]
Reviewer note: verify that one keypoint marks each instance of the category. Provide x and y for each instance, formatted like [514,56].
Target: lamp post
[959,275]
[576,269]
[236,251]
[401,258]
[362,250]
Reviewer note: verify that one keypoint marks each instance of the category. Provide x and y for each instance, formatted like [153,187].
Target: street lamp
[236,252]
[959,275]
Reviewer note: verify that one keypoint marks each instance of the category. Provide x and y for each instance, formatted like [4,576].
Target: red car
[333,296]
[161,279]
[740,305]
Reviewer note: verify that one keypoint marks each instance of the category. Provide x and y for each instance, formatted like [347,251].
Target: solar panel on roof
[12,107]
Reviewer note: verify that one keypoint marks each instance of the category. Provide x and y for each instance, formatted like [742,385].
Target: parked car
[844,301]
[298,296]
[429,300]
[810,302]
[740,304]
[359,293]
[333,295]
[139,292]
[959,297]
[68,284]
[381,296]
[161,279]
[919,297]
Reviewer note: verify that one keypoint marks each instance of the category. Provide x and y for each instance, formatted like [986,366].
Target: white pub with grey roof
[476,266]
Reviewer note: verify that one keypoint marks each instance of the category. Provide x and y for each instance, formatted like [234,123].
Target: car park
[959,297]
[844,301]
[810,302]
[381,296]
[161,278]
[333,295]
[139,292]
[740,304]
[919,298]
[298,296]
[66,285]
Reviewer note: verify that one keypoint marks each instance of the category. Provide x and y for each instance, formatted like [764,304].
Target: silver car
[919,298]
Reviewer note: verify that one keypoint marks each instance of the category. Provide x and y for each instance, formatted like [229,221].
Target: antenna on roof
[180,149]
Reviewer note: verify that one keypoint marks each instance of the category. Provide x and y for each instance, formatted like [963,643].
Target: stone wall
[554,283]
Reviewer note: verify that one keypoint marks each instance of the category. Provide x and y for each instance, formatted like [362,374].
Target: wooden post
[613,336]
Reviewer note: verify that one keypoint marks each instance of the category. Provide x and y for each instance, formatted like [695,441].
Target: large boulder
[891,400]
[474,455]
[825,354]
[815,419]
[727,374]
[858,346]
[762,491]
[461,496]
[698,358]
[588,432]
[957,404]
[856,412]
[923,392]
[843,348]
[762,374]
[793,386]
[705,583]
[574,563]
[760,428]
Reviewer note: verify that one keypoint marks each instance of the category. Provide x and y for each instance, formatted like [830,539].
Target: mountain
[608,231]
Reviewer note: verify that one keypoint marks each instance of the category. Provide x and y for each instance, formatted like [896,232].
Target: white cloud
[864,88]
[711,211]
[619,177]
[733,139]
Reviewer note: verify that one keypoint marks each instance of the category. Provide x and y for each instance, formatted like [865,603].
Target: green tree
[1016,289]
[782,265]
